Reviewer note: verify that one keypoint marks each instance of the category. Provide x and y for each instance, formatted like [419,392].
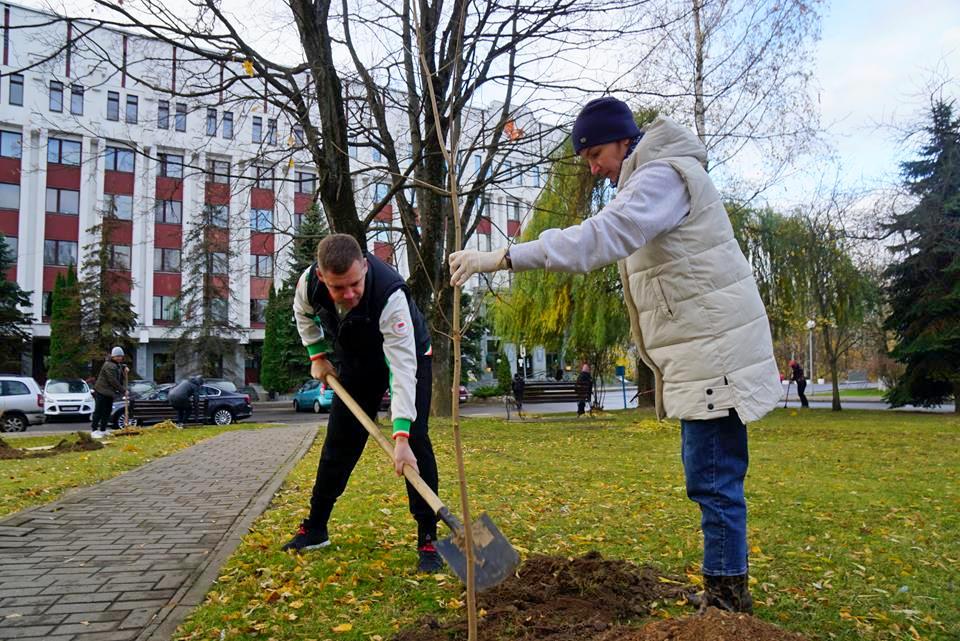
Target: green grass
[854,525]
[846,393]
[28,483]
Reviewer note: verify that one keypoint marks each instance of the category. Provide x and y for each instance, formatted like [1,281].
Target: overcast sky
[874,64]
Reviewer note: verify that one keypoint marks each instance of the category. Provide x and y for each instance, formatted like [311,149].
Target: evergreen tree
[107,316]
[68,354]
[284,364]
[206,339]
[923,289]
[14,336]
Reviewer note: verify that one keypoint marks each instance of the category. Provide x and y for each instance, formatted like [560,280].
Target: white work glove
[467,262]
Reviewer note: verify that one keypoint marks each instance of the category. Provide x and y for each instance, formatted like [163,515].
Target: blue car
[313,395]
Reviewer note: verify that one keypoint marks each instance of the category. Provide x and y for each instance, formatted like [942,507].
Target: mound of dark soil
[560,599]
[713,625]
[591,599]
[83,444]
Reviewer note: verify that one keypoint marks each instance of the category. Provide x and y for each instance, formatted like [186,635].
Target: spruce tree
[923,288]
[107,315]
[14,336]
[284,363]
[68,354]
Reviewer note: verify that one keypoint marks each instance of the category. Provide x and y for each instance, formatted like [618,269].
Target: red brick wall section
[513,228]
[62,227]
[261,244]
[168,236]
[166,284]
[260,287]
[50,276]
[10,170]
[385,215]
[63,176]
[301,203]
[261,198]
[169,188]
[9,222]
[122,232]
[217,194]
[118,182]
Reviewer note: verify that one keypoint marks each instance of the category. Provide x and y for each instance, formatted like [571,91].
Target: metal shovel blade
[495,559]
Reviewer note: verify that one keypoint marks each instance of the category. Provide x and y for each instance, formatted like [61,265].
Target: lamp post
[810,325]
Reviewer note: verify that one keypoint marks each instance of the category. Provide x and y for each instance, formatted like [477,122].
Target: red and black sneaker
[307,539]
[429,560]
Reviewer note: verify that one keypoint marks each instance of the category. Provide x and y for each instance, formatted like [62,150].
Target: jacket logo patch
[400,327]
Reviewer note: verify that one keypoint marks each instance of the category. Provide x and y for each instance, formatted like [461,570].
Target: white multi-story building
[79,137]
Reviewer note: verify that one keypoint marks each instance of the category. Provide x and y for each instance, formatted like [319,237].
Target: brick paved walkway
[130,557]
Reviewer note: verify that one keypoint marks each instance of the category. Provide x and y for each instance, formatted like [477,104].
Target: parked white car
[67,397]
[21,403]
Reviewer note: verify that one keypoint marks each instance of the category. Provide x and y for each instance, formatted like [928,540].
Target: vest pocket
[662,302]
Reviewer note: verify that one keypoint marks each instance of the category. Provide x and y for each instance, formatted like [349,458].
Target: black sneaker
[429,560]
[305,539]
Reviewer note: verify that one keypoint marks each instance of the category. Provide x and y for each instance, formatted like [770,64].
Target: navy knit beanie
[603,120]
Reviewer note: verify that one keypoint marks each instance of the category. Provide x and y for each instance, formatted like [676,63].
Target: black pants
[802,385]
[346,438]
[102,407]
[183,413]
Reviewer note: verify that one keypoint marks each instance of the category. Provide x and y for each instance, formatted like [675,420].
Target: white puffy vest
[695,312]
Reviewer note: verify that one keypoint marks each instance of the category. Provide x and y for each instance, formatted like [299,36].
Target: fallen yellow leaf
[343,627]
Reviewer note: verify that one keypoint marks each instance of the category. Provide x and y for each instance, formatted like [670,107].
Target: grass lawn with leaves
[854,525]
[28,483]
[845,393]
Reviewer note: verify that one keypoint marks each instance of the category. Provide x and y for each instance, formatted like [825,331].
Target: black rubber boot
[730,593]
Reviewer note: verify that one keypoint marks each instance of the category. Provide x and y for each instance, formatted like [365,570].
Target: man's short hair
[337,252]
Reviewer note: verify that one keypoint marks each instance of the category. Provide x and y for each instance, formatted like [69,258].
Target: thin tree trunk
[699,54]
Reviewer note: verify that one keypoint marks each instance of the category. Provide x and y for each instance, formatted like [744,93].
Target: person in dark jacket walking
[357,320]
[584,389]
[518,385]
[185,396]
[108,387]
[796,375]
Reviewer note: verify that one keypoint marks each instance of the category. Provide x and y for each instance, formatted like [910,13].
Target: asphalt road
[282,411]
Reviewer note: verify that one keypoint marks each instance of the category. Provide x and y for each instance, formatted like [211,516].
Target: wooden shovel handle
[418,483]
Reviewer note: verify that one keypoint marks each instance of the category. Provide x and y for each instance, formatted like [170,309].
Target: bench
[145,412]
[535,392]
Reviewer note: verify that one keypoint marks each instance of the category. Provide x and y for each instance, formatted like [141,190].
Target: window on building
[118,257]
[113,105]
[513,210]
[165,308]
[297,221]
[166,260]
[119,206]
[218,215]
[9,196]
[306,183]
[169,211]
[180,118]
[264,177]
[47,304]
[228,125]
[218,171]
[56,96]
[380,191]
[63,152]
[258,310]
[298,137]
[380,232]
[133,109]
[261,219]
[63,201]
[352,150]
[11,144]
[171,165]
[483,242]
[76,100]
[15,91]
[218,309]
[272,131]
[119,159]
[477,163]
[211,121]
[12,245]
[217,263]
[377,156]
[163,114]
[261,266]
[59,252]
[257,129]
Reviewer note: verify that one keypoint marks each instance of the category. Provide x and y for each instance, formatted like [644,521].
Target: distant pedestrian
[109,386]
[559,374]
[584,389]
[796,375]
[184,397]
[518,385]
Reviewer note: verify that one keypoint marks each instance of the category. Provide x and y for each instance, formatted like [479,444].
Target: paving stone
[108,561]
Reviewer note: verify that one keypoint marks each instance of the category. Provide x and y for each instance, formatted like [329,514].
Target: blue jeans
[715,460]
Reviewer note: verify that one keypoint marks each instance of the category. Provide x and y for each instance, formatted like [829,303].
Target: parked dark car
[217,407]
[141,388]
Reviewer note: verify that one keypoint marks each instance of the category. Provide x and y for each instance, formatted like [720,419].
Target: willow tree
[579,313]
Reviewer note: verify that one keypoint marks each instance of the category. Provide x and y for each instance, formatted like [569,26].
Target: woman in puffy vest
[695,312]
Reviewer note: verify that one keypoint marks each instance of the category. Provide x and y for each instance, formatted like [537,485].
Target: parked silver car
[21,402]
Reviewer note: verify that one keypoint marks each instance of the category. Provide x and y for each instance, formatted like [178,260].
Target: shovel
[494,557]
